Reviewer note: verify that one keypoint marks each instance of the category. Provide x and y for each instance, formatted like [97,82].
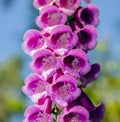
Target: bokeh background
[17,16]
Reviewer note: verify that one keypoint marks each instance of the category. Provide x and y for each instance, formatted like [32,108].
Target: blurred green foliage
[11,98]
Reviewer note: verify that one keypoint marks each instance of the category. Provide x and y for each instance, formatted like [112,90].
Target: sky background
[18,16]
[15,20]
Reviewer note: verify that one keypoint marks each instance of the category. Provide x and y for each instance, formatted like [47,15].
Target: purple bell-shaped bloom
[88,15]
[96,112]
[35,87]
[75,114]
[68,6]
[39,4]
[91,75]
[62,39]
[50,16]
[87,37]
[32,41]
[35,114]
[64,90]
[76,63]
[44,63]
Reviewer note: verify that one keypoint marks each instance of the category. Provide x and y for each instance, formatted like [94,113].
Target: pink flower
[39,4]
[62,39]
[64,90]
[50,16]
[32,41]
[35,114]
[35,87]
[76,63]
[75,114]
[88,15]
[91,75]
[44,63]
[68,6]
[87,37]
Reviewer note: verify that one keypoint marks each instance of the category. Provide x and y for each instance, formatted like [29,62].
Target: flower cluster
[60,65]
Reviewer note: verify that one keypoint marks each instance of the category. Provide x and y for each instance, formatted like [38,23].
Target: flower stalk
[60,65]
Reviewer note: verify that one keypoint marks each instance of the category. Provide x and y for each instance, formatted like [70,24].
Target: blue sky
[14,21]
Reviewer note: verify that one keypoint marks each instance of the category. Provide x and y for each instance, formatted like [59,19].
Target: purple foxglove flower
[39,4]
[87,37]
[76,63]
[88,15]
[68,6]
[50,16]
[35,114]
[91,75]
[75,114]
[32,41]
[96,112]
[35,87]
[62,39]
[64,90]
[44,63]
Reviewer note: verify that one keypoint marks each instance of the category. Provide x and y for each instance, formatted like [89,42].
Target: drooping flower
[75,114]
[39,4]
[50,16]
[35,114]
[76,63]
[68,6]
[88,15]
[64,90]
[87,37]
[35,87]
[91,75]
[44,63]
[96,112]
[62,39]
[32,41]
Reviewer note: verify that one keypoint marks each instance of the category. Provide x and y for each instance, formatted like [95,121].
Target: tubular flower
[75,114]
[88,15]
[87,37]
[60,65]
[35,87]
[64,90]
[44,63]
[68,6]
[62,39]
[32,41]
[76,63]
[91,75]
[50,16]
[95,112]
[39,4]
[34,114]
